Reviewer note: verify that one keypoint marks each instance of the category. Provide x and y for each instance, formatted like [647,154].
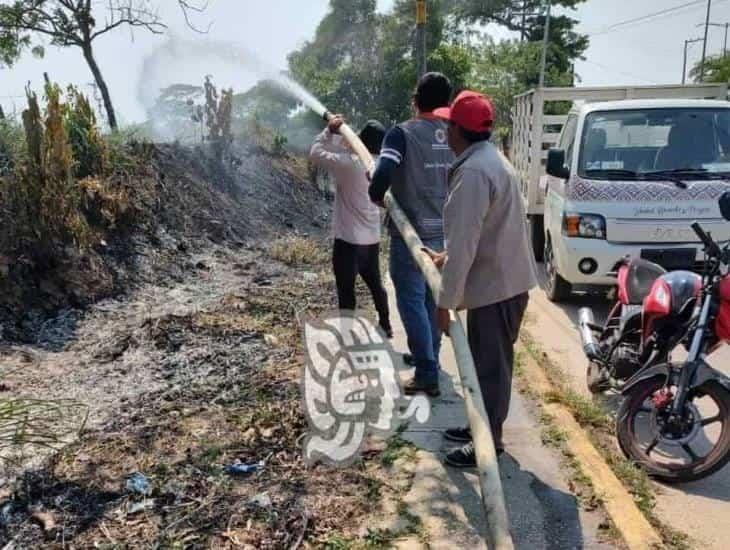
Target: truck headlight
[587,226]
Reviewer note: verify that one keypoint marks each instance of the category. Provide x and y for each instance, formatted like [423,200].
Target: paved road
[700,509]
[544,514]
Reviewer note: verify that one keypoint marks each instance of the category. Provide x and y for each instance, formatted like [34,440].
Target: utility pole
[523,28]
[722,26]
[704,43]
[545,42]
[421,54]
[684,64]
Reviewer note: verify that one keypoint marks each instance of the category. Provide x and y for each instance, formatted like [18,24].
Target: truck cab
[629,177]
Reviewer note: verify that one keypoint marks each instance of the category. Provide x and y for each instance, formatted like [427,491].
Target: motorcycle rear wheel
[639,401]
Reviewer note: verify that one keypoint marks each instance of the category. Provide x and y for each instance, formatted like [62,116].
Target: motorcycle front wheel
[675,452]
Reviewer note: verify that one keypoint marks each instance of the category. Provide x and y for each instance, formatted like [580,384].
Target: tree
[528,18]
[73,23]
[362,64]
[12,44]
[717,69]
[505,69]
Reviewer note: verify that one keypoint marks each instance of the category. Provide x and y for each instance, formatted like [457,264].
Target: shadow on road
[541,516]
[596,300]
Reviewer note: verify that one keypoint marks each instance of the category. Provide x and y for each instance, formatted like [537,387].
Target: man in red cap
[487,267]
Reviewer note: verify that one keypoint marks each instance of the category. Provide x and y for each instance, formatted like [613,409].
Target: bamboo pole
[490,481]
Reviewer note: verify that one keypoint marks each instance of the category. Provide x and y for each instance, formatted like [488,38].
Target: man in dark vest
[414,163]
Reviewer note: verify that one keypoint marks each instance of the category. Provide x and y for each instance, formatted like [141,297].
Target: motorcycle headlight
[587,226]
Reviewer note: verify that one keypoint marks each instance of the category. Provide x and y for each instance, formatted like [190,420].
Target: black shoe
[413,387]
[409,360]
[463,457]
[458,435]
[388,330]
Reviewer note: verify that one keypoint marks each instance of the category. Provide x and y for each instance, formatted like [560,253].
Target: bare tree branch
[186,6]
[72,23]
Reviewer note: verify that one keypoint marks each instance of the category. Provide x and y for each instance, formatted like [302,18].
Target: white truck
[624,173]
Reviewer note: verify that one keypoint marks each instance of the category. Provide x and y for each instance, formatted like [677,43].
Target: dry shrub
[297,251]
[218,116]
[90,151]
[41,196]
[65,189]
[12,146]
[263,137]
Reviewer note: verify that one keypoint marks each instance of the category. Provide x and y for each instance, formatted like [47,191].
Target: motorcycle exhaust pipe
[590,346]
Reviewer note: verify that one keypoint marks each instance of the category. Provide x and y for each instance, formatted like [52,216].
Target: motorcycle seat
[641,277]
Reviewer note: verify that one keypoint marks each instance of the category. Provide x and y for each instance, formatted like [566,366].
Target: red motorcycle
[673,419]
[637,333]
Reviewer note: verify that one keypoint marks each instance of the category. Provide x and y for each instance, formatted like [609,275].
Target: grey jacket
[488,255]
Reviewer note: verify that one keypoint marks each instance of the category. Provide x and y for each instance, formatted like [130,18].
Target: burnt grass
[177,392]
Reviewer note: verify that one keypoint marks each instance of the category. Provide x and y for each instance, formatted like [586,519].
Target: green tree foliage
[13,42]
[361,62]
[717,69]
[11,45]
[508,68]
[566,45]
[267,102]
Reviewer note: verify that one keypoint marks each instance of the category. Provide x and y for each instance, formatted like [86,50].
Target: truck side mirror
[556,164]
[725,205]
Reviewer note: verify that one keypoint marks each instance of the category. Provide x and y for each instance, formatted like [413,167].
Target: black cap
[372,135]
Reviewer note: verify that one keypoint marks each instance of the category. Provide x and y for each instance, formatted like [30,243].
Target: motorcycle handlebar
[710,245]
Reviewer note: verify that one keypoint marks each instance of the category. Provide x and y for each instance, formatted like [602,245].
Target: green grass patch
[396,448]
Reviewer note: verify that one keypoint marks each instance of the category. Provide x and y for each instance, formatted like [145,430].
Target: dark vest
[420,183]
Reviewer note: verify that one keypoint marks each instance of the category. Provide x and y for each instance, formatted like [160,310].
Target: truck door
[556,187]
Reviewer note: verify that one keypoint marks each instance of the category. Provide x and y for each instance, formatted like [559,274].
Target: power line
[630,75]
[650,17]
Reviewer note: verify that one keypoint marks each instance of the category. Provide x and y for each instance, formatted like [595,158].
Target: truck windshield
[691,143]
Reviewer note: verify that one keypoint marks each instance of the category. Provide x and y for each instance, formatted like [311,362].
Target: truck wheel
[556,288]
[536,228]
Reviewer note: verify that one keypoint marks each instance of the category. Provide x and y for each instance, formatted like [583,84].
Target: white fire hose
[490,482]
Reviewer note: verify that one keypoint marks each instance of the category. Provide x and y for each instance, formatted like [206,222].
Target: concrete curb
[635,529]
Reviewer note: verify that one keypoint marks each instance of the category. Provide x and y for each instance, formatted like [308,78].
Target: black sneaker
[413,387]
[387,329]
[458,435]
[463,457]
[409,360]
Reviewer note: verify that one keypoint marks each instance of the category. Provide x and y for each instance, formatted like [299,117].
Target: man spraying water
[355,221]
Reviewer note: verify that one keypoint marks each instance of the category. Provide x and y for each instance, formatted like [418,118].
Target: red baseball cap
[470,110]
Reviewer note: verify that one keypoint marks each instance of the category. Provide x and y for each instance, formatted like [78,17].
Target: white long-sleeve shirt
[356,219]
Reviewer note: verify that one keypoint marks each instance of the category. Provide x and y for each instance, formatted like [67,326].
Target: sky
[645,52]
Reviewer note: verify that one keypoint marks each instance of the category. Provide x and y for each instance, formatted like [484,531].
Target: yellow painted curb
[635,529]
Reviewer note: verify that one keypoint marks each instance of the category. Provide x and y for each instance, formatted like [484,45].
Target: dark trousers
[493,332]
[348,261]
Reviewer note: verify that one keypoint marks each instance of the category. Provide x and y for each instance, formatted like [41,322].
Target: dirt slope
[190,364]
[179,203]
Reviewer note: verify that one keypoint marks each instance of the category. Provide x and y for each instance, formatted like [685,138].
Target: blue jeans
[417,308]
